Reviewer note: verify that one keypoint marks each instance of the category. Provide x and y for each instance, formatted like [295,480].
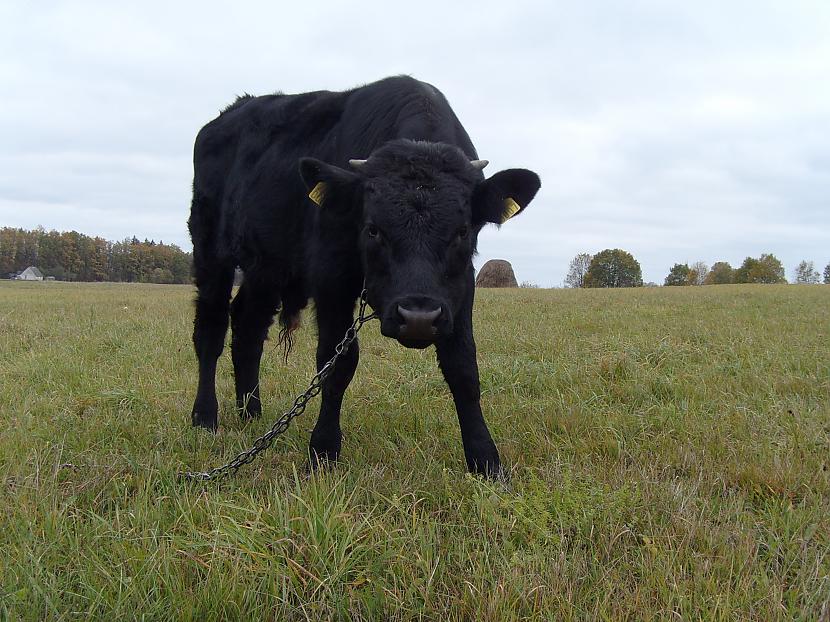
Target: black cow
[404,221]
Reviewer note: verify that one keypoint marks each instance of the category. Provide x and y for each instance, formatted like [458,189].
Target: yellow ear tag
[510,209]
[318,193]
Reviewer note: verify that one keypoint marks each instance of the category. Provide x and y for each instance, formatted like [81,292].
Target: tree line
[618,268]
[73,256]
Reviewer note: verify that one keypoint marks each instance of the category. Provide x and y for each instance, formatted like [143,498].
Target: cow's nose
[418,324]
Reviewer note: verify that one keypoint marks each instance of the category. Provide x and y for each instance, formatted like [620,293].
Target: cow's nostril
[418,324]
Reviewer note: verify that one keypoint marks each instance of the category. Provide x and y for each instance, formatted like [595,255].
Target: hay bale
[496,273]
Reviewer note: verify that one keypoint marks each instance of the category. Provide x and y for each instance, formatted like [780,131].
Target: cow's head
[419,207]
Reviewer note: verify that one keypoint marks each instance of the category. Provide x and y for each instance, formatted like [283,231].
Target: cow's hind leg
[252,312]
[333,318]
[214,281]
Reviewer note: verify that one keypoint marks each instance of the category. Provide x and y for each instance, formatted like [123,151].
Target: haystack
[496,273]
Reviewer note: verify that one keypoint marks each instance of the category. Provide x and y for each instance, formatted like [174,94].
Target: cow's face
[418,208]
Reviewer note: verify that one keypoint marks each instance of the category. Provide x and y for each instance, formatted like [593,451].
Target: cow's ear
[327,184]
[504,195]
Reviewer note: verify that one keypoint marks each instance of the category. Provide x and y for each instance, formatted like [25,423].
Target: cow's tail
[294,299]
[289,322]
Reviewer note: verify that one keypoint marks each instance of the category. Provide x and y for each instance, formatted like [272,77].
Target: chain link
[297,409]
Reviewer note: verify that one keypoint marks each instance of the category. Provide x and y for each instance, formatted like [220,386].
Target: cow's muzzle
[416,321]
[418,325]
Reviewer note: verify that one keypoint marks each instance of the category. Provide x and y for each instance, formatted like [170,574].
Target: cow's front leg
[457,359]
[332,323]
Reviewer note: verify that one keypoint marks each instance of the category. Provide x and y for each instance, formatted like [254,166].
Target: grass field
[669,451]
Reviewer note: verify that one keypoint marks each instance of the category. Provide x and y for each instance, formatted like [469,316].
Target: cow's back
[249,201]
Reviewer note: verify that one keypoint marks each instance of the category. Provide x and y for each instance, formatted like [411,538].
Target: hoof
[201,420]
[250,407]
[248,413]
[487,465]
[211,426]
[489,471]
[205,413]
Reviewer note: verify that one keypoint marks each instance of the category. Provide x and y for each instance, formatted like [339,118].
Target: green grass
[668,448]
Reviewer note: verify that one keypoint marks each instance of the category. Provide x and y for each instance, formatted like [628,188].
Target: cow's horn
[479,164]
[357,164]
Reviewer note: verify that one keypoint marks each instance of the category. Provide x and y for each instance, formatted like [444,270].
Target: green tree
[51,255]
[770,270]
[99,260]
[720,274]
[27,251]
[678,275]
[613,268]
[827,274]
[71,253]
[766,269]
[742,273]
[8,253]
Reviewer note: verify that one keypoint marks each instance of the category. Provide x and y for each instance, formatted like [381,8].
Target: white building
[30,274]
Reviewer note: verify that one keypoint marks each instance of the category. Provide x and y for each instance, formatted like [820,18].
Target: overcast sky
[677,131]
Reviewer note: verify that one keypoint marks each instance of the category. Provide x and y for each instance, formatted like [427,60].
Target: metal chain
[297,409]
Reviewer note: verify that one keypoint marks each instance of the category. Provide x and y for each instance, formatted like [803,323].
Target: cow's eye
[372,231]
[463,232]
